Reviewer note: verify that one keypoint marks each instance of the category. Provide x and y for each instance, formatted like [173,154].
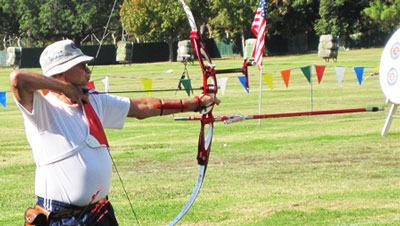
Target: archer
[65,131]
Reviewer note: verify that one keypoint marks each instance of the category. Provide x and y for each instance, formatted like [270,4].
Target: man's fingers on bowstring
[85,98]
[76,94]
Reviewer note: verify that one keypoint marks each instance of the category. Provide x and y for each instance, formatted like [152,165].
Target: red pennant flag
[91,85]
[286,77]
[320,72]
[45,92]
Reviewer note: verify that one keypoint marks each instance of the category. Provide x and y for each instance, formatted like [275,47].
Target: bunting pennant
[242,80]
[45,92]
[268,79]
[106,82]
[307,72]
[286,77]
[340,74]
[187,84]
[359,72]
[222,83]
[147,84]
[3,99]
[91,85]
[320,69]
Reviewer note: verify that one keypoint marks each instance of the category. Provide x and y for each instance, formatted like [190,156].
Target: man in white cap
[65,131]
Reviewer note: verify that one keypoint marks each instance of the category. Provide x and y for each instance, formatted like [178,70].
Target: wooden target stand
[389,118]
[389,72]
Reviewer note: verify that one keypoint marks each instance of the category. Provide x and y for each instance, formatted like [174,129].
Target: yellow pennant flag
[376,68]
[147,84]
[268,79]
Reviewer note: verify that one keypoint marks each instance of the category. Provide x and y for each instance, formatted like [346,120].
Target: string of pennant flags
[148,83]
[222,81]
[320,70]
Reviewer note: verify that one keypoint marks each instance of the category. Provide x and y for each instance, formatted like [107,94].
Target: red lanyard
[95,126]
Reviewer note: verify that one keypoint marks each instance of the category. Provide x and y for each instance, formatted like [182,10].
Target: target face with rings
[389,69]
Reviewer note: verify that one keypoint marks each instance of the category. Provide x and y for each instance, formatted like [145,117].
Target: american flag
[258,29]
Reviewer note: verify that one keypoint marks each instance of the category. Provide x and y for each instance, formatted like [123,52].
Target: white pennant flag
[106,84]
[222,84]
[340,74]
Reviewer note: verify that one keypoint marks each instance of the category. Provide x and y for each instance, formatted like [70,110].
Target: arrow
[237,118]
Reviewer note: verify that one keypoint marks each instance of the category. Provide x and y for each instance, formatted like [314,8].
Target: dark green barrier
[107,54]
[212,48]
[229,49]
[141,53]
[150,52]
[30,56]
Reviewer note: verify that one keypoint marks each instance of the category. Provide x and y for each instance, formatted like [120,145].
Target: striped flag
[258,28]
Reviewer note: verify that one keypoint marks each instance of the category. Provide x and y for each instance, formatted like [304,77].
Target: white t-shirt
[70,168]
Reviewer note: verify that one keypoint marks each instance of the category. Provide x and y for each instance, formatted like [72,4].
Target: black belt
[75,212]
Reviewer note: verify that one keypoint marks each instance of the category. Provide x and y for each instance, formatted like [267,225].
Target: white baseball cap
[60,57]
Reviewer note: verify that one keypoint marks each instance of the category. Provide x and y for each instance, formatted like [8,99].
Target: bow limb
[204,149]
[210,87]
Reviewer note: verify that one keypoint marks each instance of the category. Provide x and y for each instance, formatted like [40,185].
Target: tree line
[33,23]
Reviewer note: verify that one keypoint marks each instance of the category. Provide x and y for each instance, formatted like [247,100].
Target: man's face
[78,75]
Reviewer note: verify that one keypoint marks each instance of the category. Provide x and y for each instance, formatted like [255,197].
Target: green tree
[157,21]
[340,17]
[233,18]
[384,15]
[44,21]
[294,20]
[290,17]
[9,25]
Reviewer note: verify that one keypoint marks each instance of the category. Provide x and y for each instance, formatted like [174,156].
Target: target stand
[389,71]
[389,118]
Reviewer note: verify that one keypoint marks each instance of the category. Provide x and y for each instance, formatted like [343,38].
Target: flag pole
[311,94]
[258,28]
[260,96]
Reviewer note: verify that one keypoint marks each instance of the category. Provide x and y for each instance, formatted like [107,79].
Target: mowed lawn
[313,170]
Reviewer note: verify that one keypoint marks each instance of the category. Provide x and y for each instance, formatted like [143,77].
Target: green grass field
[311,170]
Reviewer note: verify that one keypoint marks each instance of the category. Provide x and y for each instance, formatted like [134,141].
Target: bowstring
[123,188]
[105,32]
[112,159]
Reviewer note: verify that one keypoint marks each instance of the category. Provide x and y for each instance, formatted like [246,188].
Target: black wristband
[181,105]
[162,107]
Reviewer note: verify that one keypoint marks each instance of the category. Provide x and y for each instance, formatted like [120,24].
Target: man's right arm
[25,83]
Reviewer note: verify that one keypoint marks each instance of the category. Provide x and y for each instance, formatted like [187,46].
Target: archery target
[389,69]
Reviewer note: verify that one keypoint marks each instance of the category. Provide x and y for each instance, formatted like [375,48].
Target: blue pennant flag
[242,80]
[359,72]
[3,99]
